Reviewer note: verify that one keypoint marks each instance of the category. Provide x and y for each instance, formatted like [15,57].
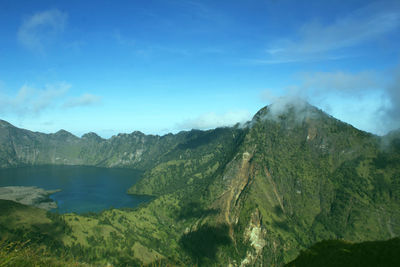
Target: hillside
[248,196]
[341,253]
[32,237]
[20,147]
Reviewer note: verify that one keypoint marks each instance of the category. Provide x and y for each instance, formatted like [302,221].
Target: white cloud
[319,85]
[316,41]
[392,110]
[340,81]
[83,100]
[41,28]
[282,104]
[363,99]
[31,101]
[213,120]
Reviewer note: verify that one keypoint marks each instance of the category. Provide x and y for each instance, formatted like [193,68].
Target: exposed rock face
[256,235]
[29,195]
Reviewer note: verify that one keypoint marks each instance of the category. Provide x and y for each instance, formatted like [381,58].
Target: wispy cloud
[201,11]
[144,49]
[340,81]
[30,101]
[123,40]
[40,29]
[213,120]
[318,85]
[75,46]
[157,50]
[392,110]
[317,41]
[286,58]
[364,99]
[83,100]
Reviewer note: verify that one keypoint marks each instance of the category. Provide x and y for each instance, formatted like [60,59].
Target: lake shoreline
[29,195]
[84,188]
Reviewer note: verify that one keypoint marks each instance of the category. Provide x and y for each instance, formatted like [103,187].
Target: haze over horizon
[166,66]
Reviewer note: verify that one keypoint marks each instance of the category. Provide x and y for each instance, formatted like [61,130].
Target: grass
[25,254]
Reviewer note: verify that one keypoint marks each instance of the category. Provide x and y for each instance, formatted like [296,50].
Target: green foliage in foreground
[27,255]
[203,243]
[339,253]
[20,223]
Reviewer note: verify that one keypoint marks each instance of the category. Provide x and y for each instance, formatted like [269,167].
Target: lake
[84,189]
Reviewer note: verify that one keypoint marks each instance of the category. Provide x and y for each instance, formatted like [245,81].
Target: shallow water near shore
[84,189]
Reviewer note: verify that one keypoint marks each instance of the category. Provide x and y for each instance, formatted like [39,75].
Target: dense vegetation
[24,255]
[250,196]
[32,237]
[342,253]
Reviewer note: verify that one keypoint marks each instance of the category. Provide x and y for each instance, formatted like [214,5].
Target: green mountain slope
[295,178]
[20,147]
[307,178]
[248,196]
[32,237]
[340,253]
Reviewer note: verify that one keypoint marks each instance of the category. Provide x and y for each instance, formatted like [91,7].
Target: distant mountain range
[248,195]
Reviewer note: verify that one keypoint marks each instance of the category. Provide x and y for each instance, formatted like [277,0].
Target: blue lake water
[84,189]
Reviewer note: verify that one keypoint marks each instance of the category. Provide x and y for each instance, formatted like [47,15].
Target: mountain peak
[92,136]
[4,123]
[137,133]
[295,109]
[64,134]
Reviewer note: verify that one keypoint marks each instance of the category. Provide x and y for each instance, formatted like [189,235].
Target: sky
[164,66]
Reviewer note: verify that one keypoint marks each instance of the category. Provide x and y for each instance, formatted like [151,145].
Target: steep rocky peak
[134,133]
[137,133]
[92,136]
[5,124]
[64,134]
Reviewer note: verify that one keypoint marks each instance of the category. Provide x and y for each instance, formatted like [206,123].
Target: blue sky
[165,66]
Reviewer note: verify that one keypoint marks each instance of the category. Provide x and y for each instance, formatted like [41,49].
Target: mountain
[19,147]
[249,195]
